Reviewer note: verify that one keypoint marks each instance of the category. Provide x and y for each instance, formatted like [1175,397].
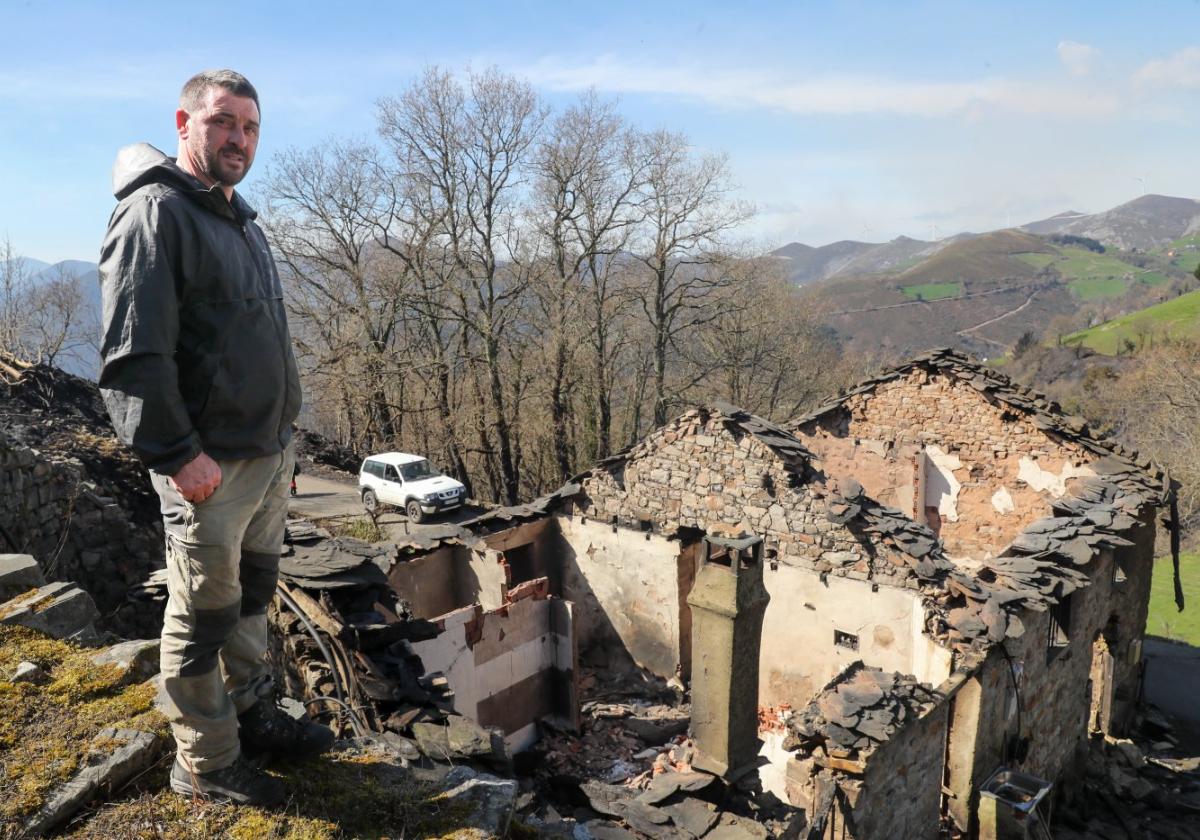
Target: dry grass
[46,729]
[334,797]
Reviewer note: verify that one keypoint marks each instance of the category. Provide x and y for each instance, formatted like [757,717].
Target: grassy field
[1151,278]
[1037,260]
[1093,276]
[1093,288]
[932,291]
[1166,621]
[1179,317]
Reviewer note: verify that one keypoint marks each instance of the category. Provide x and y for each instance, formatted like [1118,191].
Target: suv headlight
[429,497]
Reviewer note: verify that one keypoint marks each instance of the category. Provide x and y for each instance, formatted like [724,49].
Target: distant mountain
[1054,224]
[1146,223]
[30,265]
[806,264]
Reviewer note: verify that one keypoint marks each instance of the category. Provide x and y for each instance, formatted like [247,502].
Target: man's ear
[181,123]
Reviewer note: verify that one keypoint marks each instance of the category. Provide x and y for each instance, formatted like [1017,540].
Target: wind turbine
[1141,181]
[866,231]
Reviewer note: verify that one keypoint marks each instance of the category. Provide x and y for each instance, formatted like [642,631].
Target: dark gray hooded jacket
[196,354]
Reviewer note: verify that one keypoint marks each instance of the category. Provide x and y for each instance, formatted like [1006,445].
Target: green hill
[990,257]
[1177,318]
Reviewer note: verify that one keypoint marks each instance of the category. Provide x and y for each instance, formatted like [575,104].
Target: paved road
[1173,678]
[1173,683]
[321,498]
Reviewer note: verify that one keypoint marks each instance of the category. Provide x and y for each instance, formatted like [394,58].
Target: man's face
[220,138]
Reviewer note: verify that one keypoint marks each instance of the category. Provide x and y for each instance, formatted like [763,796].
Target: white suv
[407,481]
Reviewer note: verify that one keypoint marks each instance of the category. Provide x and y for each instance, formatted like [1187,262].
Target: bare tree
[322,212]
[467,147]
[14,283]
[45,318]
[587,173]
[762,350]
[516,293]
[1159,409]
[688,216]
[59,323]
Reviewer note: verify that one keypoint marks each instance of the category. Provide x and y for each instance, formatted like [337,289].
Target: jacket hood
[142,164]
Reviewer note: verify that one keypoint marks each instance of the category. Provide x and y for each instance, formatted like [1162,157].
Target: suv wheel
[413,509]
[370,501]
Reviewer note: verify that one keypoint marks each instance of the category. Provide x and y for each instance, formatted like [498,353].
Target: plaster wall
[487,576]
[433,583]
[626,590]
[799,655]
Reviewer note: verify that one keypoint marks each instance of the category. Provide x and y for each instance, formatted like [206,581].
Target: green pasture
[932,291]
[1094,288]
[1164,619]
[1177,318]
[1037,260]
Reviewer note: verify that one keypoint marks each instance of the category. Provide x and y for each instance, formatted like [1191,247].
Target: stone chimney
[728,600]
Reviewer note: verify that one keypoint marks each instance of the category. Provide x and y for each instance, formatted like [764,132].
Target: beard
[219,169]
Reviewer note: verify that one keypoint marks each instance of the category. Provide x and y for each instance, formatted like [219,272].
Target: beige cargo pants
[222,564]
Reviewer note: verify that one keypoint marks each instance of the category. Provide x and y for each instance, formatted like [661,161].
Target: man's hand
[198,479]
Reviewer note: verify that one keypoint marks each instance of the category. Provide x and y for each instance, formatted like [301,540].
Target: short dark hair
[191,97]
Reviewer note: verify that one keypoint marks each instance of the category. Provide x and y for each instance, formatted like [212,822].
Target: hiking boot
[241,783]
[265,727]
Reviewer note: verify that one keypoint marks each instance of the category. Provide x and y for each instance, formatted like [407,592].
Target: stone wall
[987,467]
[626,592]
[901,794]
[697,473]
[50,510]
[1055,688]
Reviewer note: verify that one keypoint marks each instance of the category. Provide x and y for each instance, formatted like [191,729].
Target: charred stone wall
[1002,465]
[696,473]
[901,791]
[51,510]
[1055,684]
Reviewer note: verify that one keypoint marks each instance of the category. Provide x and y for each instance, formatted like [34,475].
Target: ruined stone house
[958,578]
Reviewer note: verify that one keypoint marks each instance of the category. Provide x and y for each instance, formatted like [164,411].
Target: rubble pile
[63,418]
[1135,787]
[345,644]
[857,711]
[321,452]
[628,774]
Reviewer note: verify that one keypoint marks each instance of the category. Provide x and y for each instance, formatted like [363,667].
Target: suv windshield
[417,470]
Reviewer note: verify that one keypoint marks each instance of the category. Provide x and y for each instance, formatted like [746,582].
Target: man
[199,379]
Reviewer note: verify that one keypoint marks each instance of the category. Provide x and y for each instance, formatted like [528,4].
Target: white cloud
[829,95]
[1181,69]
[1079,59]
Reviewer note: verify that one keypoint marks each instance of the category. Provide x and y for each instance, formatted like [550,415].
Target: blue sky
[841,120]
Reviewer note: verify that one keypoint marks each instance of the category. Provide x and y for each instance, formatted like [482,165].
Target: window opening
[845,640]
[1060,627]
